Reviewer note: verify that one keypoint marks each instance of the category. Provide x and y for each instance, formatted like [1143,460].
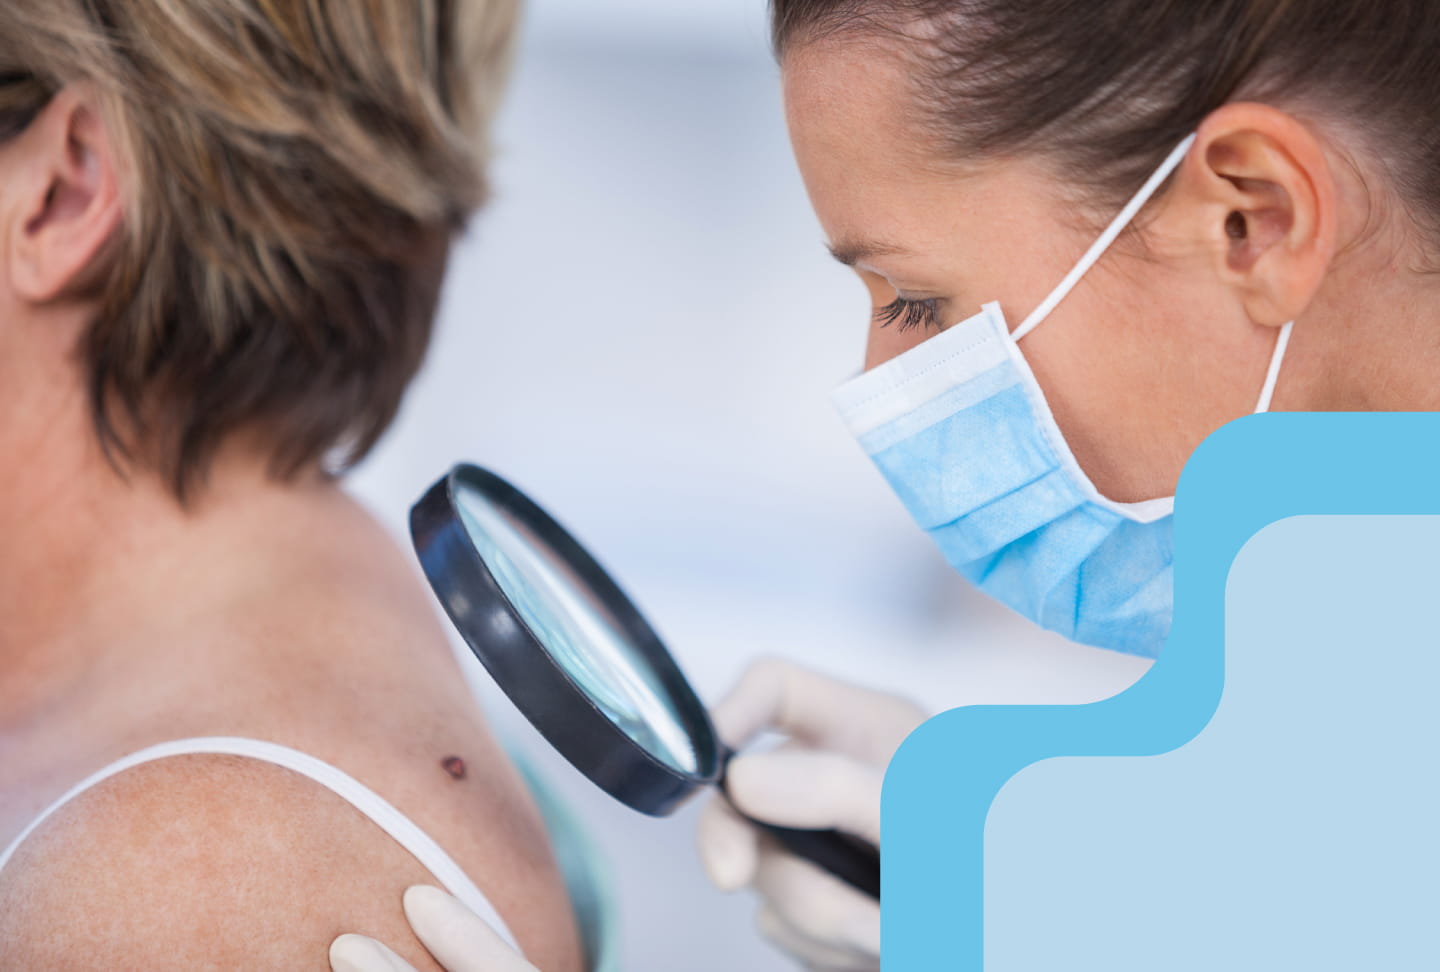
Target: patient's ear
[62,198]
[1260,185]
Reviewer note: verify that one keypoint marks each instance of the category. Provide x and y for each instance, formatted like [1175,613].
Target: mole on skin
[455,766]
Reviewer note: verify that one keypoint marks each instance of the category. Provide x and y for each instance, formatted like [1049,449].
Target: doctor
[1088,231]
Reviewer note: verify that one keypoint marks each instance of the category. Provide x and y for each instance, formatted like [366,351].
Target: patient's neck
[93,561]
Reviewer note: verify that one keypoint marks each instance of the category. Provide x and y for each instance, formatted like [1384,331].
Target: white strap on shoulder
[367,801]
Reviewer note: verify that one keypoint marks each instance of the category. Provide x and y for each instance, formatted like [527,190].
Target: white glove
[459,939]
[827,775]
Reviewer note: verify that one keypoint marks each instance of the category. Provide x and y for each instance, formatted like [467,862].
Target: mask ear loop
[1112,232]
[1098,248]
[1273,375]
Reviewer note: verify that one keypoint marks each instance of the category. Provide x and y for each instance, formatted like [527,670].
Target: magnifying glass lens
[576,657]
[580,633]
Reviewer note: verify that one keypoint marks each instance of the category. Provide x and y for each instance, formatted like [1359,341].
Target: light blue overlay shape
[1299,830]
[939,788]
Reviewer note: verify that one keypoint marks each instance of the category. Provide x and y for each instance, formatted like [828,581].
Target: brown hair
[293,171]
[1107,87]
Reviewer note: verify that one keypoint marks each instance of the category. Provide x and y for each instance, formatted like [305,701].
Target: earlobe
[69,205]
[1269,208]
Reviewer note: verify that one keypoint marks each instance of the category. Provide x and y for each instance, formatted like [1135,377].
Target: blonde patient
[223,226]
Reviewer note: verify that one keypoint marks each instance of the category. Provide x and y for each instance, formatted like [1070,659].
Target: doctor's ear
[1266,199]
[63,202]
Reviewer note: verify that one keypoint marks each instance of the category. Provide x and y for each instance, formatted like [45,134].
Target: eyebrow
[851,252]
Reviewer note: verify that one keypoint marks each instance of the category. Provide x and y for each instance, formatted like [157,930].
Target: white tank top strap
[352,791]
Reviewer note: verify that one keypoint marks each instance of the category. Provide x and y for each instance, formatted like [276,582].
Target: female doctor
[1088,230]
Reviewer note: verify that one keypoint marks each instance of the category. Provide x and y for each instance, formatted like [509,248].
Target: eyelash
[909,314]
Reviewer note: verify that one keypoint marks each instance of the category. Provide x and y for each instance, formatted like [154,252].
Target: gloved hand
[459,939]
[828,774]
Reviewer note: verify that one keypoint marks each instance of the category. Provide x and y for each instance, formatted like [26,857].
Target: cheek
[1138,377]
[890,342]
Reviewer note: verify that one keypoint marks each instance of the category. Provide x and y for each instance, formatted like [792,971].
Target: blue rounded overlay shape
[1249,474]
[1298,830]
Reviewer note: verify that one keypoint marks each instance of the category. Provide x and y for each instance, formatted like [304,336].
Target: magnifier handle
[851,859]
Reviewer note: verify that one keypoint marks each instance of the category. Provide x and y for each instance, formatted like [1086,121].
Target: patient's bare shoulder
[198,862]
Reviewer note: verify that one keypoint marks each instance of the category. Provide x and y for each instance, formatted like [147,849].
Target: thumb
[799,788]
[729,845]
[356,953]
[460,940]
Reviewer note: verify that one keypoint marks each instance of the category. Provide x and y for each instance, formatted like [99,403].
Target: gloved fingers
[459,939]
[813,955]
[776,694]
[356,953]
[799,788]
[814,708]
[729,846]
[818,906]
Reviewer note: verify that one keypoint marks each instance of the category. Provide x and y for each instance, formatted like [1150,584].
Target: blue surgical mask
[962,431]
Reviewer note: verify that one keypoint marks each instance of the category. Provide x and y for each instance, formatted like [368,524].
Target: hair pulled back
[1106,88]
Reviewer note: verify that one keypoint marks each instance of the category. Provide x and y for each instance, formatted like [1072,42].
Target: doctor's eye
[907,314]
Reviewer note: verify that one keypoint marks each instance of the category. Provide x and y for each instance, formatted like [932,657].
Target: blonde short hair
[293,172]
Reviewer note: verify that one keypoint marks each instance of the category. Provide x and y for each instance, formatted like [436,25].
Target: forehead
[846,78]
[868,162]
[877,172]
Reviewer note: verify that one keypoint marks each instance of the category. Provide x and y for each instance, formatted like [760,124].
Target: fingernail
[424,902]
[356,953]
[732,865]
[716,870]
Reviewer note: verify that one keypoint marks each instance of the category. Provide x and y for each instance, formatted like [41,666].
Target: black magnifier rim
[525,670]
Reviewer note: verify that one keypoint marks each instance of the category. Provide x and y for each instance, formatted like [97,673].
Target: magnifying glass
[579,661]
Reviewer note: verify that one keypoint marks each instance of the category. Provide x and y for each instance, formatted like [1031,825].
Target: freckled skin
[314,634]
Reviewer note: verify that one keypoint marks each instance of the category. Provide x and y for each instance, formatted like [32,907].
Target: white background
[642,331]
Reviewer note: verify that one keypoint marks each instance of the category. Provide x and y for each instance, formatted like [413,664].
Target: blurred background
[642,331]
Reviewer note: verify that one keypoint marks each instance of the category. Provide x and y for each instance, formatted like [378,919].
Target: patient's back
[321,640]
